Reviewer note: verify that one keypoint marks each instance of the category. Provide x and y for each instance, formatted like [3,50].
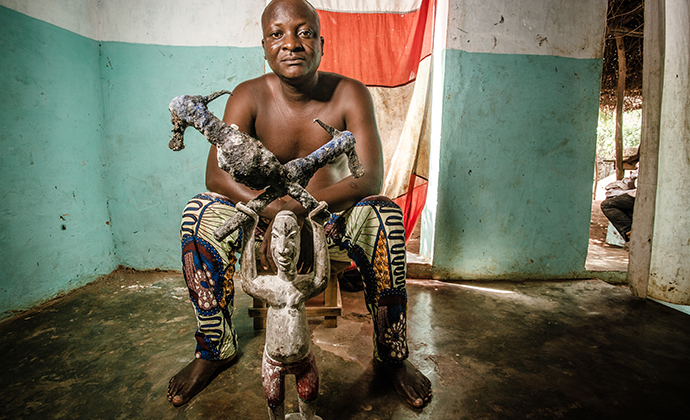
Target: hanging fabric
[387,44]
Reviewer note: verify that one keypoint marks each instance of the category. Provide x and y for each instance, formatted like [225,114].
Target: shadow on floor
[499,350]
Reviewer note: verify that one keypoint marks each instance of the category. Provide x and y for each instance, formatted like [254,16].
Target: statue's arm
[248,275]
[322,262]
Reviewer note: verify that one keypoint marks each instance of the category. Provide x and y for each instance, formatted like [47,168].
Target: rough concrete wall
[86,127]
[152,52]
[78,16]
[669,276]
[55,232]
[148,184]
[561,28]
[218,23]
[165,22]
[518,138]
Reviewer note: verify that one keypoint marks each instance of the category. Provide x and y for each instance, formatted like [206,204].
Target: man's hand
[265,250]
[254,218]
[248,225]
[320,214]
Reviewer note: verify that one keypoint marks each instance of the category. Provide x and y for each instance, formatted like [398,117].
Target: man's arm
[239,110]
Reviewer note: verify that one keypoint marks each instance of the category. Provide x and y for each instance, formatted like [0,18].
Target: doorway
[619,127]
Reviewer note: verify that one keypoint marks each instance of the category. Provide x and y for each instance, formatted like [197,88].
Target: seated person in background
[620,202]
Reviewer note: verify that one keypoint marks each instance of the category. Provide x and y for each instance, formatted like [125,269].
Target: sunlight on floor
[485,289]
[443,283]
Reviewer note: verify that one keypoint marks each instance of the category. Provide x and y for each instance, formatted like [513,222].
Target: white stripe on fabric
[368,6]
[413,140]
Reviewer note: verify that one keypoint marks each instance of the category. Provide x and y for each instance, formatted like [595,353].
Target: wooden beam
[633,33]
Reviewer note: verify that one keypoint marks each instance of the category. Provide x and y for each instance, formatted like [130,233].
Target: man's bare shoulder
[245,102]
[345,91]
[253,89]
[344,84]
[350,96]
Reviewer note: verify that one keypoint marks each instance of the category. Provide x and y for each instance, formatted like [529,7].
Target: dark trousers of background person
[619,210]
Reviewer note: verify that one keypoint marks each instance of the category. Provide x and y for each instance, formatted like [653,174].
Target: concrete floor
[499,350]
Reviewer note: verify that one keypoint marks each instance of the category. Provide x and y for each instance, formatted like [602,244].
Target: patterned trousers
[370,233]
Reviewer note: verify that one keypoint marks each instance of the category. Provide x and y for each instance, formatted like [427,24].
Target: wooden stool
[328,304]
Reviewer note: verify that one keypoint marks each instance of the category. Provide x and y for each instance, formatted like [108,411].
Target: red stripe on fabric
[378,49]
[412,203]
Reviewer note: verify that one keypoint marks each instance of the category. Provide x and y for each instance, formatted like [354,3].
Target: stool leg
[259,322]
[331,300]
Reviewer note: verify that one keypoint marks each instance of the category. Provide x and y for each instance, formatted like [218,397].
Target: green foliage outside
[606,144]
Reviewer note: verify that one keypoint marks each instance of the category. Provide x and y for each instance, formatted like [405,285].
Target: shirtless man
[278,109]
[288,339]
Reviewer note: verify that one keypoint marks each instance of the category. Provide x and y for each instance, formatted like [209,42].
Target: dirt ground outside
[598,225]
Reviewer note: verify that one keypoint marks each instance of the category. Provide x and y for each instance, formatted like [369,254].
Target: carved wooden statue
[288,339]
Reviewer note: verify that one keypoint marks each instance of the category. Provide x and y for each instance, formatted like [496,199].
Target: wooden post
[652,75]
[620,97]
[259,321]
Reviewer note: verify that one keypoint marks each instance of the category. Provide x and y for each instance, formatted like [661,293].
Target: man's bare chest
[293,136]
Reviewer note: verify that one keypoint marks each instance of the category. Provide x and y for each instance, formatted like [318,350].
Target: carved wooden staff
[250,163]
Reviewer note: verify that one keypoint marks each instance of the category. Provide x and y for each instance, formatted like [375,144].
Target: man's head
[292,40]
[285,242]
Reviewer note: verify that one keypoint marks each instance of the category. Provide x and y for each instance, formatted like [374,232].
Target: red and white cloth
[387,44]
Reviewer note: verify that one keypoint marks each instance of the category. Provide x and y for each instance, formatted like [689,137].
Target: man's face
[292,43]
[285,243]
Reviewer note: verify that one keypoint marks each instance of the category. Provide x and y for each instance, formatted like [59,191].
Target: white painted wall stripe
[165,22]
[78,16]
[563,28]
[183,22]
[367,6]
[544,27]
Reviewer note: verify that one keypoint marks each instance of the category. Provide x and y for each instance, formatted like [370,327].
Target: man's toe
[177,400]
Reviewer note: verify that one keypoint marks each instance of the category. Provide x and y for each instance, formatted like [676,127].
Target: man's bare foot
[408,381]
[193,378]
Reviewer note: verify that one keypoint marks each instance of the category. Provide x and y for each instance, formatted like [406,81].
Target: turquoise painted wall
[85,128]
[515,173]
[148,185]
[55,232]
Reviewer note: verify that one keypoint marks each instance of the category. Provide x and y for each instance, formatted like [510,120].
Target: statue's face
[285,242]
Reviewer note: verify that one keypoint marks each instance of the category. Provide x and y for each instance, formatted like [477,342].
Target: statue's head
[285,242]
